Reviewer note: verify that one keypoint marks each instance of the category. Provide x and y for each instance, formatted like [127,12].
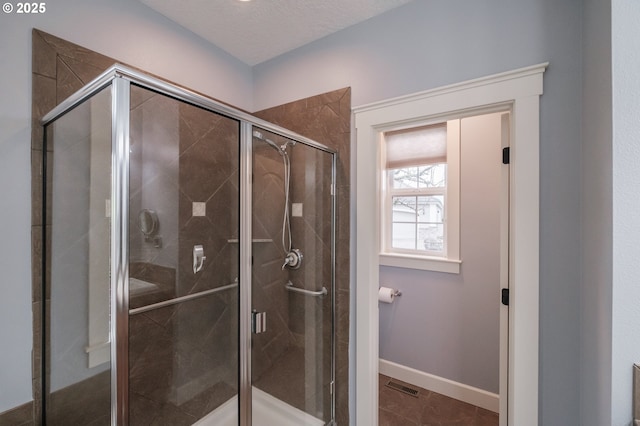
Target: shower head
[258,135]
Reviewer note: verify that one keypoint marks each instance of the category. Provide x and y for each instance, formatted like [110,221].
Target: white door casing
[519,91]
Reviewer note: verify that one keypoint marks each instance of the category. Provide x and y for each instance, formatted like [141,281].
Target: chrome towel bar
[290,287]
[181,299]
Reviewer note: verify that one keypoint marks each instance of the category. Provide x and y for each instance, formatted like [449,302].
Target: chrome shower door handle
[198,258]
[258,322]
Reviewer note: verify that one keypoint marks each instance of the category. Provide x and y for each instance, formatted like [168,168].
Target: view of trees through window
[430,176]
[418,205]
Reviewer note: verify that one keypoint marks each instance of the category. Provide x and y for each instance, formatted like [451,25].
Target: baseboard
[469,394]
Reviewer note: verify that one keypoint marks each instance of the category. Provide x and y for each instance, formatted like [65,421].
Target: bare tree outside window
[430,176]
[418,220]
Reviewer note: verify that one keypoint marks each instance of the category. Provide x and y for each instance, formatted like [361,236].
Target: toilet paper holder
[388,294]
[396,293]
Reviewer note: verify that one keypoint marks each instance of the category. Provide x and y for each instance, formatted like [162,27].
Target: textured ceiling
[258,30]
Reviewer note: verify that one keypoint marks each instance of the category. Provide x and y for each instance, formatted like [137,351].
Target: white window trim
[450,261]
[424,263]
[521,90]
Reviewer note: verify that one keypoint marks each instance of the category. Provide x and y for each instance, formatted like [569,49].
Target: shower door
[181,329]
[183,262]
[292,282]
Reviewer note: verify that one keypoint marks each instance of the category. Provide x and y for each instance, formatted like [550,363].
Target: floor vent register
[400,387]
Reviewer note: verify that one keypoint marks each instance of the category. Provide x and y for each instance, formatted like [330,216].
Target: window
[420,197]
[417,196]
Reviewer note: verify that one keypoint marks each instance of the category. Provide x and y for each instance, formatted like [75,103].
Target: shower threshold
[267,411]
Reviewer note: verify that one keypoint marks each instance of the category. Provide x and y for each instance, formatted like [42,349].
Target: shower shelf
[255,240]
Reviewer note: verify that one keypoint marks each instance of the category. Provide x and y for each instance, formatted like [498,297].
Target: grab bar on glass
[180,299]
[290,287]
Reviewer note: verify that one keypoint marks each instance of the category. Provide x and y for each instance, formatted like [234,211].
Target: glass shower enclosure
[190,262]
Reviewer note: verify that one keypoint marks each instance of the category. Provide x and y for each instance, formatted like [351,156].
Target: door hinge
[505,155]
[505,296]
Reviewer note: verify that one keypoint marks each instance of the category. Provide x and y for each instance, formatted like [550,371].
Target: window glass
[418,223]
[432,176]
[430,209]
[431,237]
[405,178]
[404,236]
[404,209]
[429,176]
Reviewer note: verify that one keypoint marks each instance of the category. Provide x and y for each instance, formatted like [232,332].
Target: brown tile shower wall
[268,278]
[18,416]
[93,395]
[311,179]
[326,118]
[163,277]
[209,173]
[183,358]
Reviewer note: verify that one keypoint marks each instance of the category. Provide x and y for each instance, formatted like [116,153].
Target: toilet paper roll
[386,294]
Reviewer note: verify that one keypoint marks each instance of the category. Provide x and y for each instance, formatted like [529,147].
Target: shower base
[267,411]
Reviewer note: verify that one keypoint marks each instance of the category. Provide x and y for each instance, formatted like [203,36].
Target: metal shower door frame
[119,324]
[120,78]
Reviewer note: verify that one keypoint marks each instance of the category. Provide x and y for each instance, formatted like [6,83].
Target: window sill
[436,264]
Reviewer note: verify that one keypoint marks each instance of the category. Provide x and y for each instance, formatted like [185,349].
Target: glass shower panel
[183,263]
[292,282]
[77,252]
[181,330]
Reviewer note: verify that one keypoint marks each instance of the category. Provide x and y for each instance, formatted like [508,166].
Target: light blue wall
[625,334]
[430,43]
[128,31]
[595,356]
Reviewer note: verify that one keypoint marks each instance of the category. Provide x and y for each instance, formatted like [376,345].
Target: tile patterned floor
[428,409]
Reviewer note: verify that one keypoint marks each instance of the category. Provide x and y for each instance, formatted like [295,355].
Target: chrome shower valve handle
[198,258]
[293,259]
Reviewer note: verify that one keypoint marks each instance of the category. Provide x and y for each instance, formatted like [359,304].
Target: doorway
[443,334]
[518,91]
